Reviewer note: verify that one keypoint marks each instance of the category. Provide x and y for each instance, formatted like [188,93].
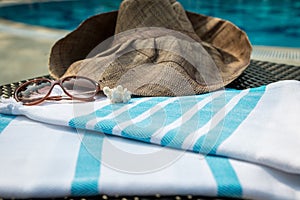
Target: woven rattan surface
[257,74]
[260,73]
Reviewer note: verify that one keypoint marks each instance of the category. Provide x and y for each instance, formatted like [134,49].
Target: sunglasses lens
[80,87]
[33,91]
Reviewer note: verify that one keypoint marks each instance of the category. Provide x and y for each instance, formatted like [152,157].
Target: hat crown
[158,49]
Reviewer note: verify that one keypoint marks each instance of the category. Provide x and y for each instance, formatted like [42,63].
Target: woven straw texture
[209,54]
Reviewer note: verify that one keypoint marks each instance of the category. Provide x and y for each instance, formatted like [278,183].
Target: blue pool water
[267,22]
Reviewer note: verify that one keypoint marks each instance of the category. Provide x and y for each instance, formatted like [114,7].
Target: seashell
[117,94]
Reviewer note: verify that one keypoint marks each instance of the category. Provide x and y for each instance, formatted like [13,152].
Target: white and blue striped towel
[259,126]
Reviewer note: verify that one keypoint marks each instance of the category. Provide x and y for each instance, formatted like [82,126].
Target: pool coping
[284,55]
[31,31]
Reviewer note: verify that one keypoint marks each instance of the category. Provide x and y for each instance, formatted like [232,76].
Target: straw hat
[154,48]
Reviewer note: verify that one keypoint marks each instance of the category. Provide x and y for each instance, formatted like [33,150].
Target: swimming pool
[267,22]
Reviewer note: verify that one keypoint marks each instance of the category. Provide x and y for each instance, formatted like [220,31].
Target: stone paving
[24,51]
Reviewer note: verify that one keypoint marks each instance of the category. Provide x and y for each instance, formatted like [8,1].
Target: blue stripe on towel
[230,122]
[81,121]
[228,183]
[88,165]
[106,126]
[176,136]
[144,129]
[5,120]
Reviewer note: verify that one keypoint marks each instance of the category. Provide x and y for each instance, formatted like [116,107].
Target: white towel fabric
[40,160]
[258,125]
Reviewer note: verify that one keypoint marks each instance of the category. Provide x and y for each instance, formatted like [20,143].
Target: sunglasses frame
[53,83]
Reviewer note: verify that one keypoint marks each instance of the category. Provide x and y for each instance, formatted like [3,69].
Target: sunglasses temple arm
[58,98]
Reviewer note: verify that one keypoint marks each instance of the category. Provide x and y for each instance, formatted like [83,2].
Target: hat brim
[232,43]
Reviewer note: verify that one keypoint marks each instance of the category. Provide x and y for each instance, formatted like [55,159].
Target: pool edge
[284,55]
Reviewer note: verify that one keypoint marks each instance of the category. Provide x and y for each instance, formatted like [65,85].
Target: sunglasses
[36,91]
